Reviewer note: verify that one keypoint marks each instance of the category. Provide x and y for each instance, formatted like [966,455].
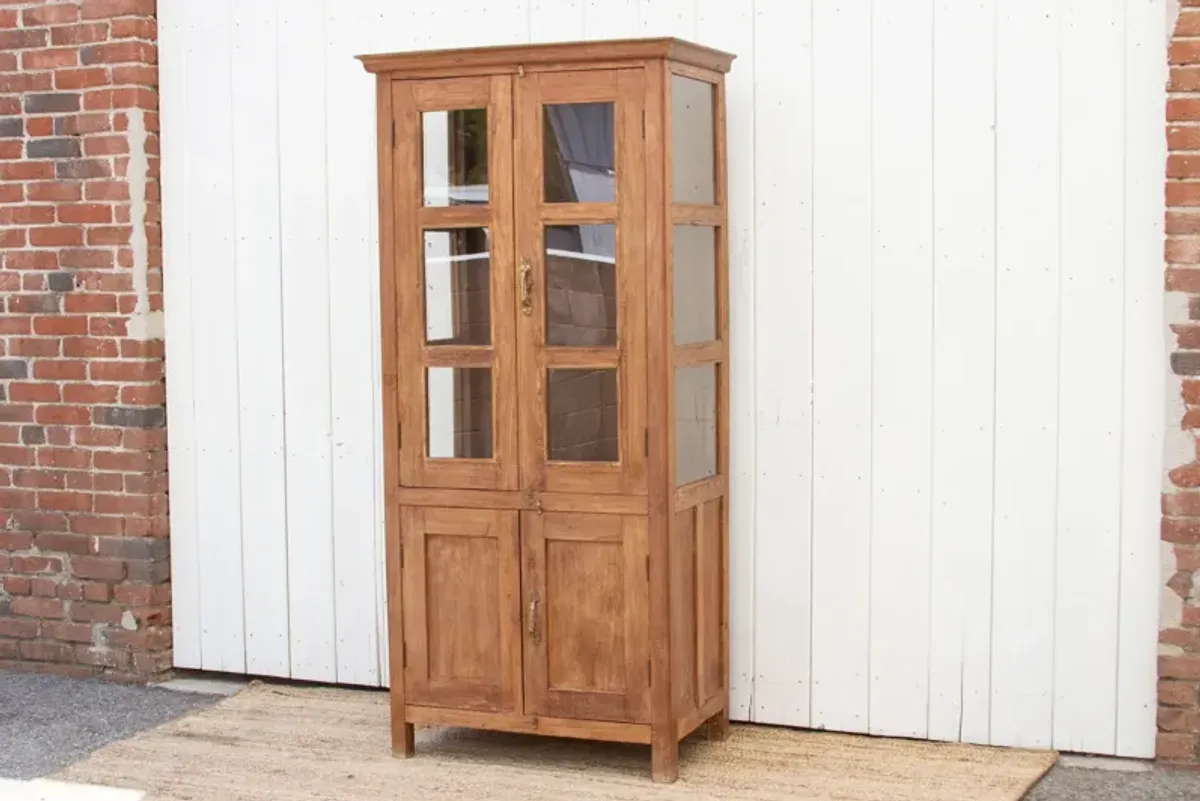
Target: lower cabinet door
[586,587]
[462,614]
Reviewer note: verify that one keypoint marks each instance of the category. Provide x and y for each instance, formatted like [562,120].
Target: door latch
[535,634]
[526,285]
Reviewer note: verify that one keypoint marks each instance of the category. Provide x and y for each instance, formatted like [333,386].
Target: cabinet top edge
[506,58]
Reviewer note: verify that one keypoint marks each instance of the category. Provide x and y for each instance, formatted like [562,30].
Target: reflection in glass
[692,151]
[578,159]
[695,291]
[457,297]
[459,412]
[581,285]
[454,151]
[695,423]
[581,417]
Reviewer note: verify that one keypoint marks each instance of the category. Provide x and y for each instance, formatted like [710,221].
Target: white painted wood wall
[947,342]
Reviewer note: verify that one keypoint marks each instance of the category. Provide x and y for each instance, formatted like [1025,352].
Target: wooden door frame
[625,89]
[417,523]
[540,699]
[413,356]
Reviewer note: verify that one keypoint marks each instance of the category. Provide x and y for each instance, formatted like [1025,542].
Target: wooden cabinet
[553,265]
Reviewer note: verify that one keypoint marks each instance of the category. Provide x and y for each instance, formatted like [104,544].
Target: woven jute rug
[286,743]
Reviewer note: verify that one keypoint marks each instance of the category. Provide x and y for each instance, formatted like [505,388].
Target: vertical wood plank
[533,591]
[685,631]
[415,606]
[218,464]
[500,22]
[637,612]
[782,322]
[526,196]
[730,27]
[1144,367]
[254,166]
[349,156]
[1087,579]
[1027,330]
[406,256]
[177,132]
[395,518]
[711,595]
[667,18]
[306,339]
[609,19]
[376,19]
[718,727]
[631,274]
[556,20]
[442,24]
[505,374]
[963,369]
[902,364]
[842,272]
[660,479]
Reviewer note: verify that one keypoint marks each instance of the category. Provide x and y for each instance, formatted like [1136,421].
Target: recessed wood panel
[461,585]
[683,611]
[710,601]
[585,616]
[586,589]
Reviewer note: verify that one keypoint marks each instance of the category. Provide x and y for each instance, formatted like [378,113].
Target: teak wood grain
[623,88]
[718,724]
[488,60]
[586,645]
[462,584]
[538,591]
[664,745]
[402,731]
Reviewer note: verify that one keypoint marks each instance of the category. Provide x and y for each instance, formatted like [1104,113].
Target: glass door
[580,279]
[455,286]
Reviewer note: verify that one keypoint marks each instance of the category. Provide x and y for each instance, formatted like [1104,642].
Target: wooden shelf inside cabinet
[554,271]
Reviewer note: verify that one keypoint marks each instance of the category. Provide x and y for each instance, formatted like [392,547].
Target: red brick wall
[83,529]
[1179,639]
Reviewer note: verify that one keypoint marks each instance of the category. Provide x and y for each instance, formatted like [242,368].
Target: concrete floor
[47,722]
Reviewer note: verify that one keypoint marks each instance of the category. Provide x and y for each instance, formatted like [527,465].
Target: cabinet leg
[402,741]
[716,728]
[664,760]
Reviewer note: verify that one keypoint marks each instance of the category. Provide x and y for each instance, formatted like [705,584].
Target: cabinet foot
[716,728]
[664,761]
[403,741]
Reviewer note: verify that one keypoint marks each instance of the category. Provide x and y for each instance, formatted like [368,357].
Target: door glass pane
[581,285]
[459,412]
[579,160]
[695,285]
[695,423]
[454,151]
[582,415]
[692,151]
[457,293]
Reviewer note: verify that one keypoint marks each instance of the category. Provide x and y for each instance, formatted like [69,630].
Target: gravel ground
[47,722]
[1086,784]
